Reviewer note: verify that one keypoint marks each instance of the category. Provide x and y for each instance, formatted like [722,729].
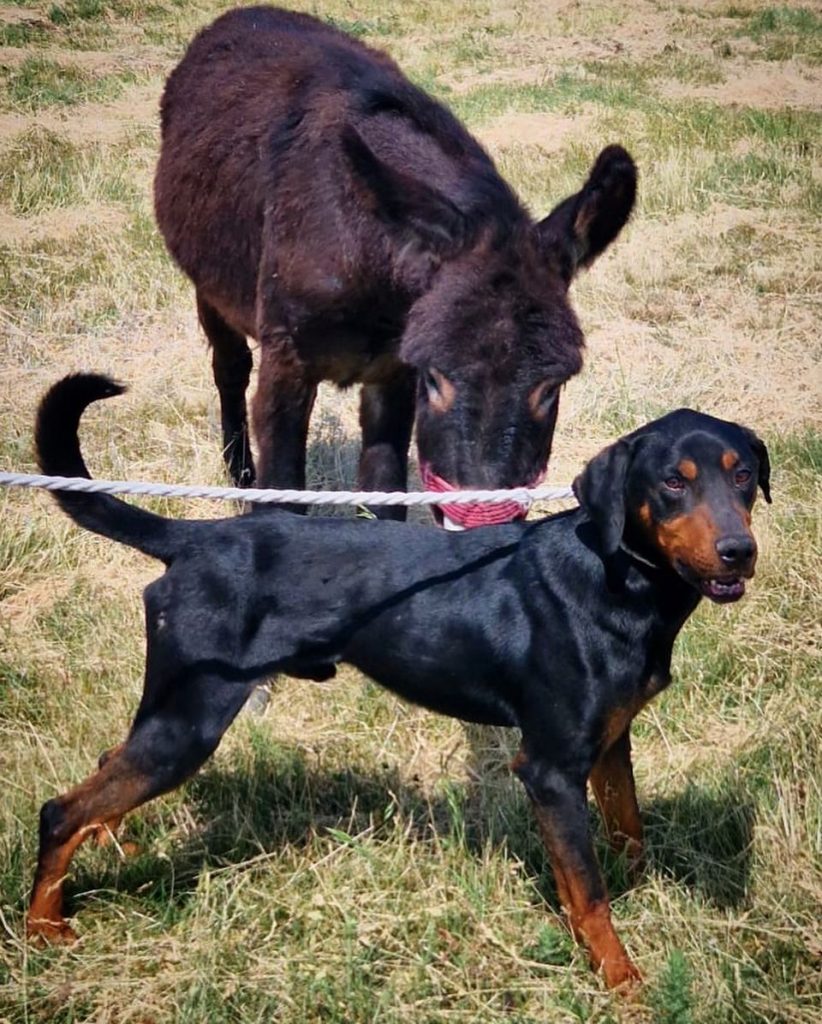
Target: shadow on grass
[701,838]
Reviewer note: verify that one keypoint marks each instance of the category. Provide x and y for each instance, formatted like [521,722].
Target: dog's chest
[620,717]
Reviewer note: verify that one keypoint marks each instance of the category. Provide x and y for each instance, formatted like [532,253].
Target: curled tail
[58,454]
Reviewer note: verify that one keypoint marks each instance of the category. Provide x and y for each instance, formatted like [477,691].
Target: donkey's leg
[231,362]
[281,410]
[386,419]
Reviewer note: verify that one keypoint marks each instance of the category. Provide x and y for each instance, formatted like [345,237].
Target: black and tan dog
[562,628]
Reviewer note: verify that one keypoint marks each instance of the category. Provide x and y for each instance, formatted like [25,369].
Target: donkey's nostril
[736,550]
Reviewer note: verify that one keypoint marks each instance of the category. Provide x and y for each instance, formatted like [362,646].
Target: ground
[345,857]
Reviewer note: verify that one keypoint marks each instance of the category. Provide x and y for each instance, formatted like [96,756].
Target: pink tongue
[478,514]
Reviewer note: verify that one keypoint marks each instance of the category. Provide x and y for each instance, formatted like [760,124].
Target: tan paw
[621,974]
[42,932]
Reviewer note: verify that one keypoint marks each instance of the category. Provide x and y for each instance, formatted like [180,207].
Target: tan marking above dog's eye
[688,469]
[542,398]
[729,459]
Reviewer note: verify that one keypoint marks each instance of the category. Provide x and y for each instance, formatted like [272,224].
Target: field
[346,858]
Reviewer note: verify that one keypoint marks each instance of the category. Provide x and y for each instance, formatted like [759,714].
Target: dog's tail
[58,454]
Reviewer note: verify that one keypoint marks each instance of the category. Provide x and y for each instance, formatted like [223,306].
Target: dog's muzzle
[466,517]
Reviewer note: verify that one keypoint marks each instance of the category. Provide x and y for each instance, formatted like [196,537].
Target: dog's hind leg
[179,724]
[612,780]
[107,832]
[559,800]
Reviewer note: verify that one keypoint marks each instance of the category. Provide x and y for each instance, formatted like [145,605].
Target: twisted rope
[265,496]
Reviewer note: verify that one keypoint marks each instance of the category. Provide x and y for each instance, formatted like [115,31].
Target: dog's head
[681,489]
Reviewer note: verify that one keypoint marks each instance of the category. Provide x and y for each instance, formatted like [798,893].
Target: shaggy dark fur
[562,628]
[329,209]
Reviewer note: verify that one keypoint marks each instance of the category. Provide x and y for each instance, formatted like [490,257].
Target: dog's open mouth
[722,591]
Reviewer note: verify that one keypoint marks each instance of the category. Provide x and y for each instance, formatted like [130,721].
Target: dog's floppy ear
[600,491]
[761,453]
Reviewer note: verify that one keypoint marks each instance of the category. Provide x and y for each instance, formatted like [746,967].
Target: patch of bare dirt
[58,225]
[91,122]
[18,15]
[769,85]
[548,131]
[99,62]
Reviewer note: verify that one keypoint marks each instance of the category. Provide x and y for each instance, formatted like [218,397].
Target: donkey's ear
[600,491]
[585,224]
[405,203]
[764,460]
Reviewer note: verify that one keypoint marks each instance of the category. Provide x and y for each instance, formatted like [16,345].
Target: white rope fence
[265,496]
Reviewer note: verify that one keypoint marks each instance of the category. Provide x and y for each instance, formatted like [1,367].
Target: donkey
[327,208]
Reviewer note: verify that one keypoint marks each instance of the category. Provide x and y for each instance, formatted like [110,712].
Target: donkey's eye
[440,390]
[542,399]
[675,484]
[741,477]
[431,383]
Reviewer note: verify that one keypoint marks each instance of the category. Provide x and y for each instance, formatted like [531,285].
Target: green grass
[23,34]
[786,32]
[39,82]
[93,269]
[566,93]
[42,171]
[108,10]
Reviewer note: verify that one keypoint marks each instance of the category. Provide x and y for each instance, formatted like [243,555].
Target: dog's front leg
[559,799]
[612,780]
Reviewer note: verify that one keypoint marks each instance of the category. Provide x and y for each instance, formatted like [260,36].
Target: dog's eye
[741,477]
[675,484]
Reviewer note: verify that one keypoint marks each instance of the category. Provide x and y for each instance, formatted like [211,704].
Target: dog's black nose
[736,550]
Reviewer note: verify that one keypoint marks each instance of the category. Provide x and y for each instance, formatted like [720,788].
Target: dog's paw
[41,932]
[621,974]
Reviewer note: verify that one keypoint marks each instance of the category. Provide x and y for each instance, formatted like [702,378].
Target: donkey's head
[492,334]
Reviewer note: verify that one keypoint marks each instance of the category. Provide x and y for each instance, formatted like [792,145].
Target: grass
[786,32]
[39,82]
[346,858]
[23,34]
[43,170]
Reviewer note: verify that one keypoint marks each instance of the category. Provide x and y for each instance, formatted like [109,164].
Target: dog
[562,628]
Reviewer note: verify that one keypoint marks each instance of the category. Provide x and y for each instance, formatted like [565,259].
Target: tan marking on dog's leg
[612,781]
[106,796]
[589,919]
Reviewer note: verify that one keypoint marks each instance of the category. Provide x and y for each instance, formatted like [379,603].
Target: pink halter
[479,514]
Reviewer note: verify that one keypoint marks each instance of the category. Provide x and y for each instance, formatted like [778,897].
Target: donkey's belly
[345,356]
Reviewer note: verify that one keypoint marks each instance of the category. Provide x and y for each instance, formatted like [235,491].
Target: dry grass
[346,858]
